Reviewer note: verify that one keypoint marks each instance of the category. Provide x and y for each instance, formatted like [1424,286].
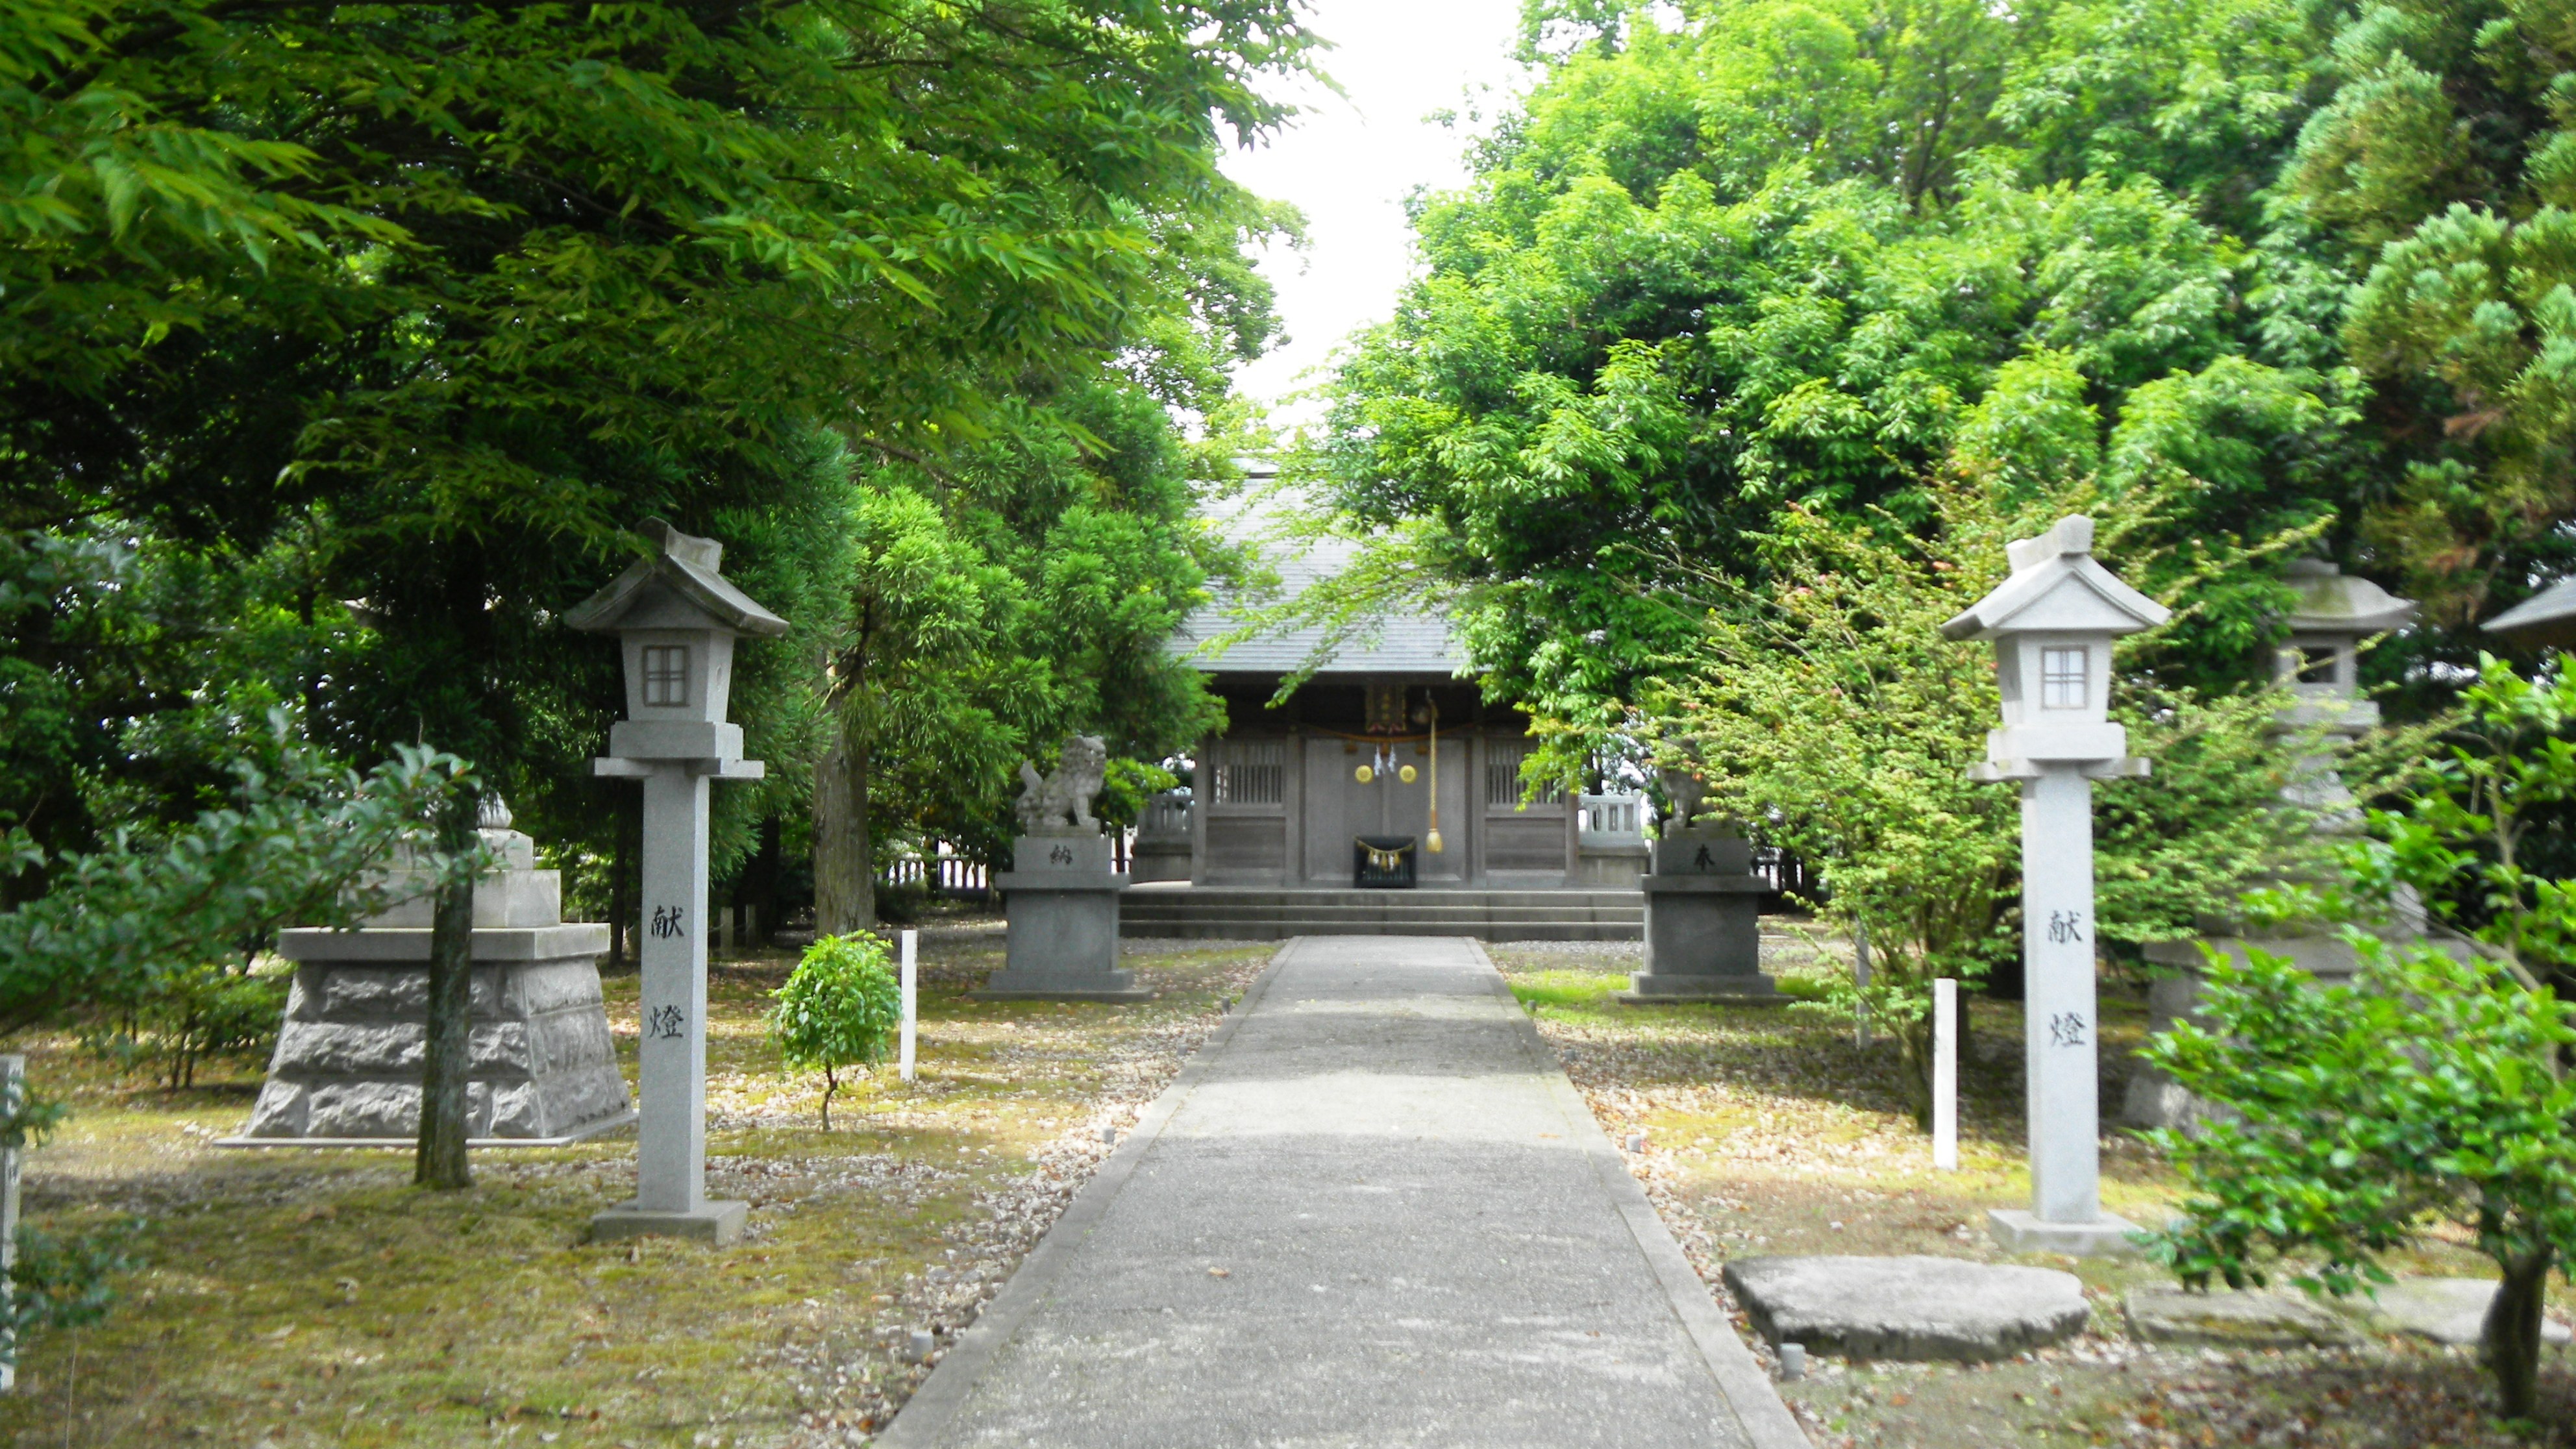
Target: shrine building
[1322,811]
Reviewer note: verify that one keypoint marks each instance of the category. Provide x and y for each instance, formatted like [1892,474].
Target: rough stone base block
[2224,1319]
[1912,1309]
[2017,1230]
[600,1128]
[719,1223]
[1061,986]
[541,1062]
[1646,988]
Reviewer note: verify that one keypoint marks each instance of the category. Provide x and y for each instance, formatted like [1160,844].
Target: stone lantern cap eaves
[2548,617]
[2334,602]
[2041,566]
[686,565]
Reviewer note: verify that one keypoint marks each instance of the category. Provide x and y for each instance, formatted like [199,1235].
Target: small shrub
[840,1008]
[2357,1116]
[64,1282]
[192,1014]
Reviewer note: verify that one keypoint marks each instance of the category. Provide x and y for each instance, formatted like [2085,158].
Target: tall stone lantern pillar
[2052,623]
[676,620]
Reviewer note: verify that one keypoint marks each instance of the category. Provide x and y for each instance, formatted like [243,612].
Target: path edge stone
[925,1417]
[1759,1410]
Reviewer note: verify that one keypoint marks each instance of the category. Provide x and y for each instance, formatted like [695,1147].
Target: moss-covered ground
[293,1298]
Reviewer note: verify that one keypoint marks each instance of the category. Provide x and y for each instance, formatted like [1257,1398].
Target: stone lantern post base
[542,1065]
[719,1222]
[2019,1230]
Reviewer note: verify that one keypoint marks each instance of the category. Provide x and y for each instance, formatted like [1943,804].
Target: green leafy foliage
[2352,1116]
[1824,710]
[68,1282]
[191,1014]
[1018,592]
[2445,161]
[2436,1084]
[1605,373]
[841,1007]
[126,926]
[2477,837]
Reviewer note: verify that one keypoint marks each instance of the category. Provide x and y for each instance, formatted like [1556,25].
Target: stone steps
[1270,914]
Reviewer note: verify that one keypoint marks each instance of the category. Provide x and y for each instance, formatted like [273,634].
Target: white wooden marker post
[1945,1074]
[1860,979]
[13,1096]
[2052,623]
[911,997]
[676,620]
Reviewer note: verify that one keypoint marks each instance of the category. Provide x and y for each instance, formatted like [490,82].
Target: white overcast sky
[1349,161]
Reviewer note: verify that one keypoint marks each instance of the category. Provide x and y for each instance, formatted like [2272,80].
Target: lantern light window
[666,674]
[2061,679]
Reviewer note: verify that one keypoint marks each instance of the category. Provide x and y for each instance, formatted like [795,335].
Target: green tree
[1765,255]
[2436,1085]
[2445,162]
[839,1008]
[462,290]
[1000,600]
[2485,824]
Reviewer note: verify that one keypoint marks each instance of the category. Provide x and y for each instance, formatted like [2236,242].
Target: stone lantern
[2319,667]
[676,620]
[2545,620]
[2052,623]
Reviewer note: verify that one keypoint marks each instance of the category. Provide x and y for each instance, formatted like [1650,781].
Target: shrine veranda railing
[946,873]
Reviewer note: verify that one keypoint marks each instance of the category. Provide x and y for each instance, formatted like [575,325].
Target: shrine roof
[1402,641]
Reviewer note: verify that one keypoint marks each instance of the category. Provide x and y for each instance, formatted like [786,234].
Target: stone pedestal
[348,1063]
[1062,902]
[1162,848]
[1703,924]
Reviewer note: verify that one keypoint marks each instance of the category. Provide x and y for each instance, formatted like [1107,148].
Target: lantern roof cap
[2332,601]
[2037,597]
[2547,617]
[686,565]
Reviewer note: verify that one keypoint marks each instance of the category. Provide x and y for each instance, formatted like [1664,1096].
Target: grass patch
[315,1298]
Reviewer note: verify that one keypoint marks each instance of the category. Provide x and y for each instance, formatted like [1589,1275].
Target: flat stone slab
[2232,1319]
[2445,1310]
[1911,1309]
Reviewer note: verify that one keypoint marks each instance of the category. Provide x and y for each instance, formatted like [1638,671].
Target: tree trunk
[1914,1068]
[844,877]
[622,912]
[440,1162]
[831,1084]
[2511,1338]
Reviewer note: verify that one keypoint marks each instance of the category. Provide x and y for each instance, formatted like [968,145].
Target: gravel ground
[1772,1131]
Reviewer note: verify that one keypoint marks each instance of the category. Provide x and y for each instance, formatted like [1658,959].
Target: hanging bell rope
[1432,838]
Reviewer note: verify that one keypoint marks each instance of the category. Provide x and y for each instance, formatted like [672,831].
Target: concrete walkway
[1371,1211]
